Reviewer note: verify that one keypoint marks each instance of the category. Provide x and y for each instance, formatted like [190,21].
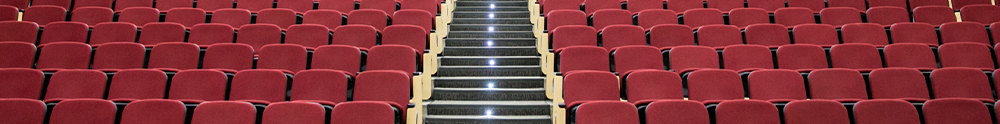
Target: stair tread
[500,117]
[505,103]
[488,77]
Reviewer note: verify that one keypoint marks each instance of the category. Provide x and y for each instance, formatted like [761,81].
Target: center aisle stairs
[489,70]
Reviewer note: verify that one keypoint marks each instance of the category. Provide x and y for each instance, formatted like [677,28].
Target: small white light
[489,43]
[491,15]
[489,29]
[489,85]
[493,6]
[492,62]
[489,112]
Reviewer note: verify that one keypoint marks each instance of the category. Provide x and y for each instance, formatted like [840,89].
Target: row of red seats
[299,6]
[255,35]
[230,57]
[155,111]
[259,86]
[803,57]
[884,111]
[667,36]
[778,85]
[591,6]
[284,18]
[837,16]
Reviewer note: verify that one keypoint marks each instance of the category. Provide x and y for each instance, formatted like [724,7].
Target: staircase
[489,71]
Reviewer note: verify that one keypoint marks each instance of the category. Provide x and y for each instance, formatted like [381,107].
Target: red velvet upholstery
[838,16]
[816,112]
[982,13]
[898,83]
[652,84]
[154,111]
[573,35]
[743,17]
[961,82]
[329,18]
[819,34]
[888,15]
[814,5]
[910,55]
[188,16]
[259,86]
[320,85]
[714,85]
[342,6]
[607,112]
[914,33]
[423,19]
[87,111]
[64,32]
[258,35]
[393,57]
[167,5]
[337,57]
[587,85]
[70,84]
[719,36]
[390,86]
[125,4]
[371,17]
[284,57]
[308,35]
[21,83]
[793,16]
[17,54]
[877,112]
[212,5]
[777,85]
[281,17]
[22,111]
[124,55]
[44,14]
[224,112]
[747,57]
[856,4]
[746,111]
[637,6]
[953,110]
[294,113]
[139,15]
[198,85]
[174,56]
[92,15]
[681,6]
[583,58]
[855,56]
[549,6]
[703,16]
[692,57]
[592,6]
[136,84]
[615,36]
[161,32]
[670,35]
[802,57]
[770,35]
[869,33]
[845,85]
[408,35]
[918,3]
[964,32]
[934,15]
[228,56]
[769,5]
[629,58]
[560,18]
[963,3]
[725,5]
[676,111]
[64,55]
[362,36]
[650,18]
[387,6]
[232,17]
[608,17]
[973,55]
[363,112]
[21,31]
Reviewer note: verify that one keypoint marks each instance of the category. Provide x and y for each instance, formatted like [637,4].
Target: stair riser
[485,42]
[495,15]
[456,121]
[490,35]
[488,95]
[488,61]
[502,21]
[485,83]
[487,28]
[490,72]
[482,110]
[474,3]
[490,9]
[490,52]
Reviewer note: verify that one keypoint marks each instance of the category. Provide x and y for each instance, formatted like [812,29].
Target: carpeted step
[492,14]
[468,119]
[494,3]
[483,42]
[491,51]
[488,108]
[490,82]
[491,34]
[494,8]
[489,60]
[491,21]
[512,94]
[453,71]
[491,27]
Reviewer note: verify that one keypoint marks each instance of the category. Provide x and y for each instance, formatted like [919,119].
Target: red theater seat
[605,112]
[816,111]
[746,111]
[875,112]
[844,85]
[197,85]
[154,111]
[898,83]
[72,84]
[88,111]
[714,85]
[224,112]
[136,84]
